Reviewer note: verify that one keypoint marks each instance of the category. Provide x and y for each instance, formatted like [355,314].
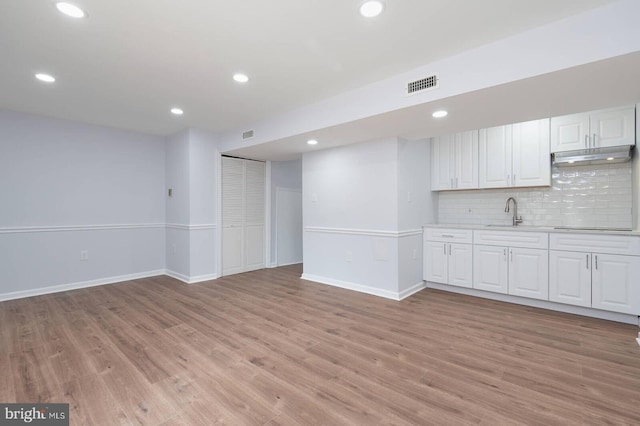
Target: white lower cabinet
[570,277]
[511,270]
[529,273]
[448,257]
[615,281]
[598,271]
[490,269]
[448,263]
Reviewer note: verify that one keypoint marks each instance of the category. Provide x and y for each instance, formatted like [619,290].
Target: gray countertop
[524,228]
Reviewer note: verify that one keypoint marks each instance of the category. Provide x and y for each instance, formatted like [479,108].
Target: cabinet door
[529,273]
[490,271]
[615,283]
[495,157]
[461,265]
[570,277]
[613,128]
[466,160]
[442,162]
[435,262]
[570,132]
[531,155]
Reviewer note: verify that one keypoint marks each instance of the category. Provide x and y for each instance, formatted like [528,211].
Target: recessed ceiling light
[610,159]
[177,111]
[439,114]
[312,142]
[240,78]
[70,10]
[371,9]
[45,77]
[571,161]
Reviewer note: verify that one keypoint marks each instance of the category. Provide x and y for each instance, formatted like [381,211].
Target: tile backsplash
[580,196]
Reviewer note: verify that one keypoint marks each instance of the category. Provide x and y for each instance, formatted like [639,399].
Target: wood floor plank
[267,348]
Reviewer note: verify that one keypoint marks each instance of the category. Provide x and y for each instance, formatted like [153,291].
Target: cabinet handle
[444,247]
[456,182]
[449,249]
[508,179]
[594,140]
[504,252]
[514,179]
[447,236]
[511,255]
[587,261]
[586,141]
[596,262]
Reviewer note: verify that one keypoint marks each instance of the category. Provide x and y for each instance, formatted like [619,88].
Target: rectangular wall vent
[247,135]
[423,85]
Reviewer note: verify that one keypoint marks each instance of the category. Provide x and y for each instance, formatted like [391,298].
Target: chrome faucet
[516,219]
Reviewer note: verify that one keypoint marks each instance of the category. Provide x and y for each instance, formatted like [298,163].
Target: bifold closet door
[243,210]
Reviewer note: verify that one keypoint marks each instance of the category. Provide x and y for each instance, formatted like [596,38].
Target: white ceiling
[130,61]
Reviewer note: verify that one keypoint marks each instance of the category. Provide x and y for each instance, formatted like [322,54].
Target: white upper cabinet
[454,161]
[515,155]
[442,162]
[495,157]
[531,155]
[569,132]
[613,128]
[466,160]
[597,129]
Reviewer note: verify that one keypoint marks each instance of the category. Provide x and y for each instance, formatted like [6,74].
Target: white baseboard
[544,304]
[74,286]
[287,264]
[352,286]
[412,290]
[191,280]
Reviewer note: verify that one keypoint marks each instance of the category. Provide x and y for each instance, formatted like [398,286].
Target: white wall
[284,175]
[355,212]
[192,175]
[68,187]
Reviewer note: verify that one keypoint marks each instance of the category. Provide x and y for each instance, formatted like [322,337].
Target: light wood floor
[266,348]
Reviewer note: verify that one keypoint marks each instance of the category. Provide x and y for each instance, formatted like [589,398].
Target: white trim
[191,280]
[70,228]
[298,262]
[74,286]
[412,290]
[352,286]
[366,232]
[544,304]
[191,227]
[267,213]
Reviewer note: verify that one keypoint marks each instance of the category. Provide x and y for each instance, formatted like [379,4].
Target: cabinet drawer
[594,243]
[448,235]
[512,239]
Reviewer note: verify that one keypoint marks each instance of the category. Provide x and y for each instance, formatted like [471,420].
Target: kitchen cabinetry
[448,257]
[600,271]
[510,262]
[515,155]
[597,129]
[454,161]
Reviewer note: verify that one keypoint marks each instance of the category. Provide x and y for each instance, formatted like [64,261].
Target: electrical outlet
[348,256]
[84,254]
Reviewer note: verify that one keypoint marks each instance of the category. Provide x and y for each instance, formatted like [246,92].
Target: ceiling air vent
[247,135]
[423,85]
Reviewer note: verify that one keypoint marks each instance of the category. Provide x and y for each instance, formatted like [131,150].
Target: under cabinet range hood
[613,154]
